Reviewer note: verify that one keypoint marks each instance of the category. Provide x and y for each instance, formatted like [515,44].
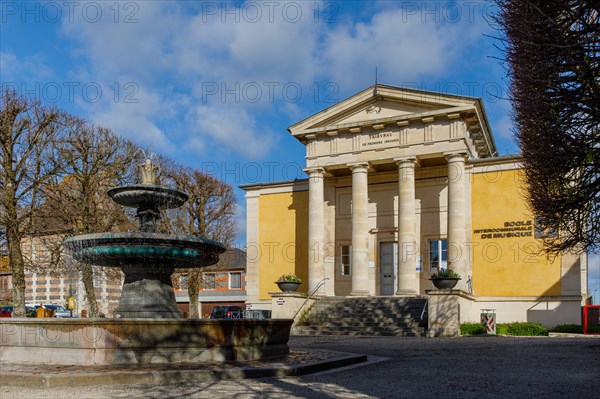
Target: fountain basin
[147,260]
[118,249]
[141,341]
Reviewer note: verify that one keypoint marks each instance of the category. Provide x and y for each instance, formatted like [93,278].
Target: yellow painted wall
[502,265]
[283,239]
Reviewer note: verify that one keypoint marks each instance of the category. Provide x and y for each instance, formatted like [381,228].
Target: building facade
[221,284]
[47,283]
[400,183]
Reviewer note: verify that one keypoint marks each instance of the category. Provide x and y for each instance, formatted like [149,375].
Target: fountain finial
[148,172]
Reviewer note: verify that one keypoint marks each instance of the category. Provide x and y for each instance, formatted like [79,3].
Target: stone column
[457,238]
[360,235]
[316,226]
[408,279]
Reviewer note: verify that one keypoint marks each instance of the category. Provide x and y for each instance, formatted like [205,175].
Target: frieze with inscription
[377,140]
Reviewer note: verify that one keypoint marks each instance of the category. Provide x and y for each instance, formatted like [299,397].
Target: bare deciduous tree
[553,54]
[93,159]
[209,212]
[28,132]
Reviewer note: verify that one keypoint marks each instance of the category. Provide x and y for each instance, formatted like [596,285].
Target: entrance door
[388,267]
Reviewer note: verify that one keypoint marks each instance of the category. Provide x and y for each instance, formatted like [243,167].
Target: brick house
[5,280]
[221,284]
[47,283]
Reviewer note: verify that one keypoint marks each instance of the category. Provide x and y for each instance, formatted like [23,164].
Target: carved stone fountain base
[140,341]
[147,295]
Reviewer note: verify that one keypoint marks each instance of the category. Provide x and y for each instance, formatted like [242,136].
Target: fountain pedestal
[147,294]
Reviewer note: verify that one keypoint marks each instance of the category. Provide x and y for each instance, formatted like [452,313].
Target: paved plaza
[467,367]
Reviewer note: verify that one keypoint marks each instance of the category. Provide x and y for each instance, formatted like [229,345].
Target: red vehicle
[6,311]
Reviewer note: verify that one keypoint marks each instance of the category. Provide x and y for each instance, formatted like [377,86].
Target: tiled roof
[231,259]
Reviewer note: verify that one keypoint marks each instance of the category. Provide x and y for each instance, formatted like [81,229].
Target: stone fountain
[148,327]
[147,258]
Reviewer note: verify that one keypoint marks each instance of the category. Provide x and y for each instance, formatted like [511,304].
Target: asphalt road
[468,367]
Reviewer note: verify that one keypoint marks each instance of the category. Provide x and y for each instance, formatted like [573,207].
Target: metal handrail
[321,283]
[424,307]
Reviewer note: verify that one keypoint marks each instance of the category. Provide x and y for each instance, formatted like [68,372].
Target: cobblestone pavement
[468,367]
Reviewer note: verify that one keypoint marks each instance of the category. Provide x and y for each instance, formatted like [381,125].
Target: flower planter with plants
[288,283]
[445,278]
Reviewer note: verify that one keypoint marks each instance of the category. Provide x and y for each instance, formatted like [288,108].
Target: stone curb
[571,335]
[550,335]
[39,377]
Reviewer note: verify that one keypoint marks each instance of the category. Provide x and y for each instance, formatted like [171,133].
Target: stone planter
[444,283]
[288,286]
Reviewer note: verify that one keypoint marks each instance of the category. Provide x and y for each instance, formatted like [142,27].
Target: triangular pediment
[381,102]
[379,109]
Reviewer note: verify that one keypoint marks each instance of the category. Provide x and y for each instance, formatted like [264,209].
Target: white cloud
[17,70]
[270,48]
[174,50]
[137,42]
[403,46]
[230,128]
[135,118]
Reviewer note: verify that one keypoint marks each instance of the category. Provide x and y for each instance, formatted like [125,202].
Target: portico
[363,140]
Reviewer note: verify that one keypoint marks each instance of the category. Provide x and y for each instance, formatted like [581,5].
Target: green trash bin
[488,319]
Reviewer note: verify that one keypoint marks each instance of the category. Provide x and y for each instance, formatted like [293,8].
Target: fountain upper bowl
[148,196]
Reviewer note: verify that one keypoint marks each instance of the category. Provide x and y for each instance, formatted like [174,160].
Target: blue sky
[216,84]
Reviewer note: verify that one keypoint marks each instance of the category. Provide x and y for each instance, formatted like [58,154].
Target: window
[438,254]
[235,281]
[209,281]
[6,282]
[183,282]
[97,278]
[346,260]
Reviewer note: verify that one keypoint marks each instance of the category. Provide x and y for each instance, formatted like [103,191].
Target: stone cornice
[401,120]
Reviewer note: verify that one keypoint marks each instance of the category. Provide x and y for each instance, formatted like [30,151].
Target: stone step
[373,331]
[380,311]
[365,316]
[373,305]
[362,320]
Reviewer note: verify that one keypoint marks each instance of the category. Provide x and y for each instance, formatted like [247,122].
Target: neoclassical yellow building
[401,182]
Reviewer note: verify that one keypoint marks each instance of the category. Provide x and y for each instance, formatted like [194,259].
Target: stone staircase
[376,316]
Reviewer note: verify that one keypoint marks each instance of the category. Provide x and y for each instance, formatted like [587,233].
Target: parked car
[226,312]
[59,311]
[6,311]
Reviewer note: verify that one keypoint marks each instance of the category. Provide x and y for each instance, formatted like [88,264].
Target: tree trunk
[17,268]
[193,288]
[87,275]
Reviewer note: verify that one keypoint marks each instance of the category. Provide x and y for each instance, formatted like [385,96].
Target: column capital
[404,160]
[358,165]
[455,156]
[314,169]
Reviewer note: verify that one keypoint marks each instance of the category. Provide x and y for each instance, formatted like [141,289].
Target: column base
[406,293]
[360,293]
